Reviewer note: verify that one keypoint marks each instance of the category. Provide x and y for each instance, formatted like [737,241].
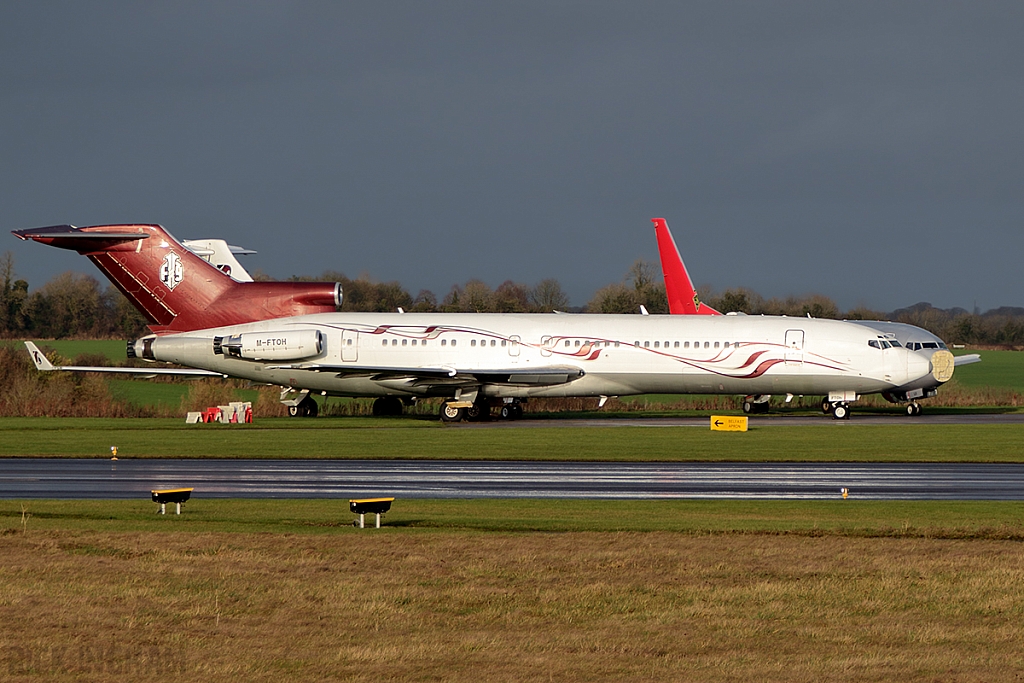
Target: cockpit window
[874,343]
[943,346]
[930,345]
[895,343]
[886,345]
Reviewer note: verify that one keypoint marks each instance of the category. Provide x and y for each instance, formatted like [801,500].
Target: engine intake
[290,345]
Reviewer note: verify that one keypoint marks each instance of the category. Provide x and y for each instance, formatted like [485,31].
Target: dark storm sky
[871,152]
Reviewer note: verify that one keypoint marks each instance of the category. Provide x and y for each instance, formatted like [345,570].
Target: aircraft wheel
[913,409]
[506,412]
[841,412]
[294,411]
[307,408]
[450,413]
[748,407]
[387,405]
[478,412]
[826,406]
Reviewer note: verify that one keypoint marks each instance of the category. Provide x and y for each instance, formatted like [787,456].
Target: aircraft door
[349,345]
[794,347]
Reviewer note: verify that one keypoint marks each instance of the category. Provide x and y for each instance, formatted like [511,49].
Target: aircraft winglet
[682,295]
[42,363]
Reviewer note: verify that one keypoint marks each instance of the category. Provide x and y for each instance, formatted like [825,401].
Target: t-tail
[176,290]
[682,295]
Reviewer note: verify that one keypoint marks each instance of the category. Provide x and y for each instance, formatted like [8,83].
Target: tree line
[75,305]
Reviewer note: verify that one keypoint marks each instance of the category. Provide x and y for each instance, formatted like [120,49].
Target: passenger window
[423,343]
[636,344]
[716,345]
[453,341]
[503,342]
[676,345]
[725,345]
[404,342]
[577,342]
[494,343]
[707,345]
[444,342]
[568,343]
[655,344]
[647,345]
[472,342]
[385,341]
[686,345]
[394,342]
[414,342]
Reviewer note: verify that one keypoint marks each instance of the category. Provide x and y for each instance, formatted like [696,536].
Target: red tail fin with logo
[176,290]
[682,296]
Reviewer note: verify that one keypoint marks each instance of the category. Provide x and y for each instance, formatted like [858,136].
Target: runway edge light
[728,423]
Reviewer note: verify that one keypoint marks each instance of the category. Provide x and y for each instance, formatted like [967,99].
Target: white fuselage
[437,354]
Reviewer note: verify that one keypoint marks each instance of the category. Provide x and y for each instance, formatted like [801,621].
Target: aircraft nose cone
[942,365]
[917,366]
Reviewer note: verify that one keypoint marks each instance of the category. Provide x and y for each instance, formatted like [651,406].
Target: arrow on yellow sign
[728,423]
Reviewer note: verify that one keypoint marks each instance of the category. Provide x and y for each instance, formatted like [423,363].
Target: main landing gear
[913,409]
[387,405]
[452,411]
[307,407]
[755,405]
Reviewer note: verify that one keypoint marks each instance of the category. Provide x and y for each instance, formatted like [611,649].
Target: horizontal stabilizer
[76,239]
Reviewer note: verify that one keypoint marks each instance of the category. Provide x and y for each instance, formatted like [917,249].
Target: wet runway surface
[105,479]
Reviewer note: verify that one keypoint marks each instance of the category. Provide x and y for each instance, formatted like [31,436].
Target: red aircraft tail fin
[176,290]
[682,295]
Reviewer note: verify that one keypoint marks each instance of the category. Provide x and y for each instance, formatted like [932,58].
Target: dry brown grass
[405,605]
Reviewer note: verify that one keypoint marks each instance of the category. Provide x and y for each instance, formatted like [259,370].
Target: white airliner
[475,362]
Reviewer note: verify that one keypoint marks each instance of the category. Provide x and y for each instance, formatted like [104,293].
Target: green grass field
[905,519]
[426,438]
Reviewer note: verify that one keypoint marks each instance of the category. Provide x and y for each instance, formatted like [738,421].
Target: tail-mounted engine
[290,345]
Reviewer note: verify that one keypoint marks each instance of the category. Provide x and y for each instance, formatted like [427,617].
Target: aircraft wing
[966,360]
[532,376]
[44,365]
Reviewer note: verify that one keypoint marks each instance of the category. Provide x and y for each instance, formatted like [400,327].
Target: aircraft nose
[917,366]
[942,365]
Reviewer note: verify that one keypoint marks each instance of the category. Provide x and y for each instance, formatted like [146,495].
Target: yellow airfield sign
[728,423]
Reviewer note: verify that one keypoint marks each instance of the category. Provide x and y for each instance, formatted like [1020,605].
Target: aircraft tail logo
[171,271]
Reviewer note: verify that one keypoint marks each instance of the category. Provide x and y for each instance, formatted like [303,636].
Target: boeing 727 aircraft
[479,361]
